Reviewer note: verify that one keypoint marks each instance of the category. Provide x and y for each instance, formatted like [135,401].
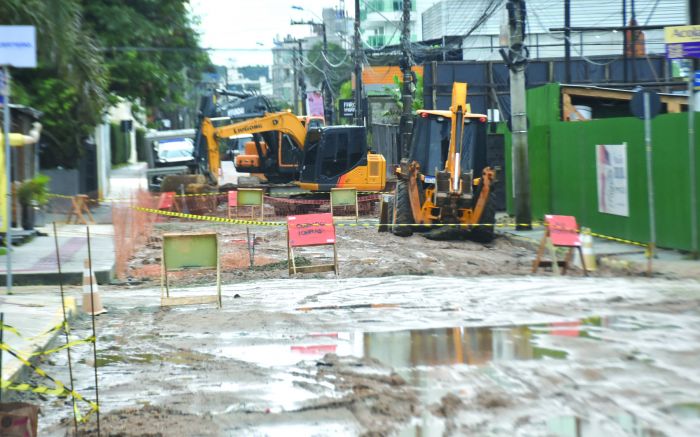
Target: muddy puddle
[404,356]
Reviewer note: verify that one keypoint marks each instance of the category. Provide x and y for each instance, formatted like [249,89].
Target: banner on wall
[611,167]
[314,103]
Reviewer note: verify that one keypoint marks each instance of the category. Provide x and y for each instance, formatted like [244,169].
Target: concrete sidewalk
[33,313]
[35,262]
[618,255]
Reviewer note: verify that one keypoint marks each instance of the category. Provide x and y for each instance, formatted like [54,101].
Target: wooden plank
[673,107]
[188,300]
[618,95]
[316,268]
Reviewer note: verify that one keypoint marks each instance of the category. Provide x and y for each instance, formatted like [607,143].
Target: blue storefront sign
[682,42]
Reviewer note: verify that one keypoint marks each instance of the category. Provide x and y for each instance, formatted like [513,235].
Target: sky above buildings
[242,32]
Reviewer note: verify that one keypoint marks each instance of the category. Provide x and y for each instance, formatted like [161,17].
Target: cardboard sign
[249,197]
[232,198]
[18,419]
[166,200]
[563,230]
[185,251]
[311,230]
[343,197]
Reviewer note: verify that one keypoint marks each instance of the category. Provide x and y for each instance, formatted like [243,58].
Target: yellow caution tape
[619,240]
[206,217]
[8,328]
[59,390]
[14,330]
[372,225]
[271,223]
[65,346]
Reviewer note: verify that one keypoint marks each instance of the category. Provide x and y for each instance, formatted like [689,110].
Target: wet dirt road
[403,355]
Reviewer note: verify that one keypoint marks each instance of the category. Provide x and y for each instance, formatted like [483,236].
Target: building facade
[380,21]
[483,26]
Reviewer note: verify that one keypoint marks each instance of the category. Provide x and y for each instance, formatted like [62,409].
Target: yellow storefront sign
[682,34]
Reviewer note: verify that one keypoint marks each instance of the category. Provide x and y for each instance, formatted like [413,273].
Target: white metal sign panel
[18,46]
[611,167]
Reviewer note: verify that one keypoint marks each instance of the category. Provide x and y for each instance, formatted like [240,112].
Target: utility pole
[359,117]
[693,18]
[517,60]
[567,39]
[295,66]
[326,88]
[302,82]
[406,122]
[624,40]
[325,85]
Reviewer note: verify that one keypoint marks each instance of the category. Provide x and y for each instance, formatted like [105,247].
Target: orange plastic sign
[563,230]
[232,198]
[310,230]
[166,200]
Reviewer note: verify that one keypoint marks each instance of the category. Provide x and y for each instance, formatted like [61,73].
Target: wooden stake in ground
[66,329]
[94,334]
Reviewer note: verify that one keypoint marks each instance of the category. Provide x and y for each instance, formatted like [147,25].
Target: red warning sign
[311,230]
[166,200]
[563,230]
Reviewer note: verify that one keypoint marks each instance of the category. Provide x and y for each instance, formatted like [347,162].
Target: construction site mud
[362,251]
[414,337]
[400,355]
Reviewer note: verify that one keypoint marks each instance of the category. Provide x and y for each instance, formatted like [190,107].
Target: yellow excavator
[460,193]
[316,159]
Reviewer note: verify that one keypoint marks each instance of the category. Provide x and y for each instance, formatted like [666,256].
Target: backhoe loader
[316,159]
[436,183]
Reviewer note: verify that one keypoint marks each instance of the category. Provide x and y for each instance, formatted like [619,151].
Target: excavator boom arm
[284,122]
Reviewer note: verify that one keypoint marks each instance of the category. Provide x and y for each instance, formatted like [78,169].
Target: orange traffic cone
[92,304]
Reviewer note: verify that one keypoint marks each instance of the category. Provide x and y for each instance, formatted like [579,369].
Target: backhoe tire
[486,233]
[404,215]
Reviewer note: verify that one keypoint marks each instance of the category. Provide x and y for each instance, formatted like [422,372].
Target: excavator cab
[316,159]
[337,156]
[431,139]
[445,179]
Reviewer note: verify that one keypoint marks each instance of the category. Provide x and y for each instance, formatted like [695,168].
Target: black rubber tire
[404,215]
[485,234]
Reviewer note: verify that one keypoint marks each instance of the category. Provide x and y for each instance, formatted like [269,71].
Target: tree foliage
[151,50]
[339,66]
[143,50]
[69,84]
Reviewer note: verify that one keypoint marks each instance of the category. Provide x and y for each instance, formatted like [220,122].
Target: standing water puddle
[419,347]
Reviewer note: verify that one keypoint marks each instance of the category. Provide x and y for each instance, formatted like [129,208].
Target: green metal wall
[563,179]
[574,180]
[543,110]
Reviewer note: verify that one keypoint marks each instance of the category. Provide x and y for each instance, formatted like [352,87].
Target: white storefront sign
[18,46]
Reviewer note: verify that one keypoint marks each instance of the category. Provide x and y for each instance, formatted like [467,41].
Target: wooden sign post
[189,251]
[311,230]
[79,205]
[343,198]
[560,231]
